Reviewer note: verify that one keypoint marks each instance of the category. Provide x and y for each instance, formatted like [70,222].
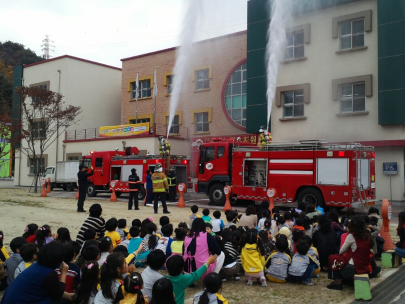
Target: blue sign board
[390,168]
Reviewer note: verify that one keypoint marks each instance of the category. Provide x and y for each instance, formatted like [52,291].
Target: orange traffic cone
[48,189]
[77,194]
[113,197]
[181,203]
[271,193]
[43,193]
[385,231]
[227,191]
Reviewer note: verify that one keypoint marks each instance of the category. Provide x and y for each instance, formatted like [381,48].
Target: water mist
[183,55]
[276,39]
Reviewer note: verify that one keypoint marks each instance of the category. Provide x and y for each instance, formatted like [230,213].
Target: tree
[44,117]
[9,130]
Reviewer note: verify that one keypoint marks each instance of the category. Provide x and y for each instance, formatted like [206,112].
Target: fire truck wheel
[91,190]
[141,193]
[311,196]
[217,195]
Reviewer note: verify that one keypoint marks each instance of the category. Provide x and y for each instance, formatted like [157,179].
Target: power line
[47,47]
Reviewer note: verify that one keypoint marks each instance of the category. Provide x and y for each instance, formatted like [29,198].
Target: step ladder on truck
[312,171]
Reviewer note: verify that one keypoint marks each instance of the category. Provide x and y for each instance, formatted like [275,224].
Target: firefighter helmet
[160,138]
[262,129]
[158,167]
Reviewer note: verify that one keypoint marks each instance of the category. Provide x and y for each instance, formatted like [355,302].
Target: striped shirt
[96,223]
[232,252]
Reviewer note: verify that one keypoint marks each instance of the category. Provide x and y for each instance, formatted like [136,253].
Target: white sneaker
[264,284]
[308,283]
[250,282]
[237,278]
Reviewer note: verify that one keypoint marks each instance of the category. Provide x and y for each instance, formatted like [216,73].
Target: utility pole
[47,47]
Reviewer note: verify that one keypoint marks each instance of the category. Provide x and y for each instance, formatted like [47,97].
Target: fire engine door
[181,174]
[255,173]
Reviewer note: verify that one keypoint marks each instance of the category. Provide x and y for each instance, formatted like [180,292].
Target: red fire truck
[117,165]
[310,171]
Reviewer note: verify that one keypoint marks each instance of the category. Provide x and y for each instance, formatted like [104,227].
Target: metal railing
[155,129]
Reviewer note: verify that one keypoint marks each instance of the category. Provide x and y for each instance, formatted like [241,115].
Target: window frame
[37,132]
[351,35]
[175,127]
[142,89]
[31,165]
[293,46]
[242,69]
[169,81]
[202,123]
[205,80]
[352,98]
[293,104]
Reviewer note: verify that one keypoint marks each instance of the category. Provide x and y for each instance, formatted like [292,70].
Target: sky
[106,31]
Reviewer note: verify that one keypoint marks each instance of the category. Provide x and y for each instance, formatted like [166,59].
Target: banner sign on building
[124,130]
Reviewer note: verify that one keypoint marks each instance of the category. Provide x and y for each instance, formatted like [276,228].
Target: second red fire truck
[116,166]
[309,171]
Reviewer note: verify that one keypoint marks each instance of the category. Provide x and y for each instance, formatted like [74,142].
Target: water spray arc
[183,55]
[276,38]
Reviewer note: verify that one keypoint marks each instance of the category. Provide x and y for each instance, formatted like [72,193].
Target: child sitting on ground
[177,244]
[208,229]
[232,247]
[180,280]
[135,239]
[156,260]
[268,243]
[229,217]
[29,254]
[252,257]
[87,289]
[133,285]
[193,215]
[3,257]
[217,223]
[136,223]
[212,288]
[265,215]
[89,234]
[206,217]
[313,253]
[122,224]
[184,226]
[163,221]
[149,242]
[302,265]
[106,248]
[111,227]
[15,258]
[44,236]
[287,216]
[73,274]
[276,267]
[30,233]
[165,241]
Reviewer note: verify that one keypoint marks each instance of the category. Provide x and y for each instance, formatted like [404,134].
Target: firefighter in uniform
[171,177]
[164,147]
[160,187]
[133,183]
[264,137]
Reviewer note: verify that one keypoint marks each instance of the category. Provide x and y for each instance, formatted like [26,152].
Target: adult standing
[39,283]
[82,177]
[249,219]
[160,187]
[94,221]
[197,248]
[171,177]
[133,183]
[149,188]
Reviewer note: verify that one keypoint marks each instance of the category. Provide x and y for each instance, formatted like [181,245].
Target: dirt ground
[19,208]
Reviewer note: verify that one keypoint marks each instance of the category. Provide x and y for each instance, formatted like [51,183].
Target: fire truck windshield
[87,162]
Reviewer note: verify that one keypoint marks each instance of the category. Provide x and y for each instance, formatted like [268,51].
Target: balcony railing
[155,129]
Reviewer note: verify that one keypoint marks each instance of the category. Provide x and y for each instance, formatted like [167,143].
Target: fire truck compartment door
[363,167]
[126,172]
[181,174]
[332,171]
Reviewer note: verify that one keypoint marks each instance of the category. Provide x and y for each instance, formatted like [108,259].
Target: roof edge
[72,57]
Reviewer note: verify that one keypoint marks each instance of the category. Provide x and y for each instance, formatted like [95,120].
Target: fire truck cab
[309,171]
[117,165]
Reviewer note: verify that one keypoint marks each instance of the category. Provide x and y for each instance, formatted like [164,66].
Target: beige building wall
[93,87]
[322,114]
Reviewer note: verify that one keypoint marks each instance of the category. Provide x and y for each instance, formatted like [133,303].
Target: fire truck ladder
[361,192]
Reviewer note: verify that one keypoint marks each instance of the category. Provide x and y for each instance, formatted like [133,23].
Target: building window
[202,79]
[293,104]
[37,165]
[43,87]
[140,120]
[351,34]
[175,128]
[235,95]
[38,129]
[353,98]
[201,122]
[295,46]
[169,83]
[144,89]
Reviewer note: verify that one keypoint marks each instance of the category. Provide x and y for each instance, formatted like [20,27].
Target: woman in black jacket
[325,240]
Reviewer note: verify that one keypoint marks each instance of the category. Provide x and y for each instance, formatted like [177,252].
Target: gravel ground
[19,208]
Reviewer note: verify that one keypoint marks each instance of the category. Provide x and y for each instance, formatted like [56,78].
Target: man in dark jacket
[171,178]
[82,181]
[133,183]
[149,188]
